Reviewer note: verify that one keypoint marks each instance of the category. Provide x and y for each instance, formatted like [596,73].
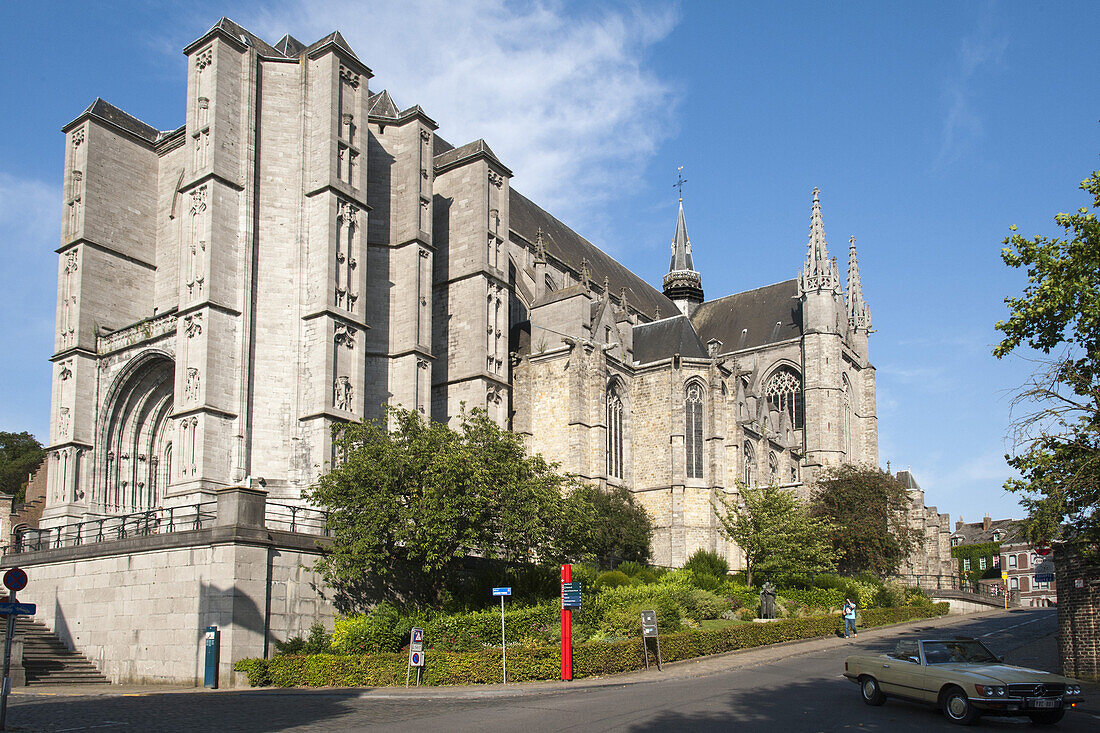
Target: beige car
[963,678]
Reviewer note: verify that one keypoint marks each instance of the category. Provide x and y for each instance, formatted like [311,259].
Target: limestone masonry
[301,251]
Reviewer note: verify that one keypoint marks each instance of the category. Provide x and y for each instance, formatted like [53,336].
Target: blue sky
[929,128]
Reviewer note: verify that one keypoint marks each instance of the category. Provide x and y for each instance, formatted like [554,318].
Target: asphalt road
[803,690]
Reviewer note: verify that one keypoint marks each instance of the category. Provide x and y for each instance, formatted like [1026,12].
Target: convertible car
[964,679]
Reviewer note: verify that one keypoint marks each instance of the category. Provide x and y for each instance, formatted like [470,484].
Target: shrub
[611,579]
[630,568]
[318,642]
[890,594]
[590,659]
[647,576]
[705,562]
[376,631]
[702,605]
[822,598]
[747,614]
[480,629]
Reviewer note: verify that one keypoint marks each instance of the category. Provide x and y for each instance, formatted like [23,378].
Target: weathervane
[680,181]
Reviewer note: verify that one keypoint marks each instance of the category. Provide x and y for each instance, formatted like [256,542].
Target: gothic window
[693,430]
[773,468]
[614,433]
[848,427]
[784,393]
[748,473]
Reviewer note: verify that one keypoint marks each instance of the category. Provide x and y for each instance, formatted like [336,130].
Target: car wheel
[1046,717]
[872,693]
[956,706]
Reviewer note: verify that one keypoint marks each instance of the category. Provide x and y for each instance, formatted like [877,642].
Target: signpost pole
[7,667]
[503,645]
[566,628]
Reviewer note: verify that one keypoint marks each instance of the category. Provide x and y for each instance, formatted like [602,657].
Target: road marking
[1008,628]
[105,724]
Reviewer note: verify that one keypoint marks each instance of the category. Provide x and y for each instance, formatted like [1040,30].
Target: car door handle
[886,665]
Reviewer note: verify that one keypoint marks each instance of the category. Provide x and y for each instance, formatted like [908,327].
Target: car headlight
[990,690]
[1073,690]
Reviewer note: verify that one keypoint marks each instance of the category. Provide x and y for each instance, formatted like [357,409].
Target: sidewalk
[698,667]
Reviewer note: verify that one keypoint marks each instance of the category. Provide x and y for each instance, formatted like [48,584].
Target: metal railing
[293,518]
[104,529]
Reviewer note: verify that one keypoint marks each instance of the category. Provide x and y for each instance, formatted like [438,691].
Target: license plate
[1041,703]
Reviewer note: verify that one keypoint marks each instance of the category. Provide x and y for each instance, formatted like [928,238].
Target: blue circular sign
[15,579]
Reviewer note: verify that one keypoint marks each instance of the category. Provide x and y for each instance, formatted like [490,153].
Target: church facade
[302,251]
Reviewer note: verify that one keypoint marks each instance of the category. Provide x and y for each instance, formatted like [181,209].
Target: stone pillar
[241,507]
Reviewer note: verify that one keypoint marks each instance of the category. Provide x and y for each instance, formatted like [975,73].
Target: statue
[767,601]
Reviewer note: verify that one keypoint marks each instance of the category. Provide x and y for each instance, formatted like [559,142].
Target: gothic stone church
[302,251]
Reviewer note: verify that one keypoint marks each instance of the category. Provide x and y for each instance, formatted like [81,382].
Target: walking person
[849,617]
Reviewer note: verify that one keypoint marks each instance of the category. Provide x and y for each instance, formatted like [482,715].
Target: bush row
[542,662]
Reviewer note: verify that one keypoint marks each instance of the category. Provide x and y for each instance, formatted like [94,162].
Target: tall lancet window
[693,430]
[614,433]
[849,424]
[784,393]
[748,472]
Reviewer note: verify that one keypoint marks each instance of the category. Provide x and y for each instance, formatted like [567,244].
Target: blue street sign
[502,591]
[17,609]
[1044,577]
[15,579]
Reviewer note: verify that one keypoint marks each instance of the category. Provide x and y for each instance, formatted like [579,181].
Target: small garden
[701,609]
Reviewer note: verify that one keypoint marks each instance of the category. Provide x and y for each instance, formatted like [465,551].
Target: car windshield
[948,652]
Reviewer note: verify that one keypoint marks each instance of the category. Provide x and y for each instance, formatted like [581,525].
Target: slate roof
[246,37]
[973,533]
[753,318]
[665,338]
[381,105]
[565,245]
[469,150]
[107,112]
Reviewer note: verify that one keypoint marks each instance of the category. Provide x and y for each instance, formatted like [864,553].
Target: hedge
[526,663]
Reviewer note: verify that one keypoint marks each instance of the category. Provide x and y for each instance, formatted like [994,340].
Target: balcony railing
[104,529]
[292,518]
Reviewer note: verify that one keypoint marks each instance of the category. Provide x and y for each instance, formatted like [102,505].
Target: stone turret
[859,315]
[682,284]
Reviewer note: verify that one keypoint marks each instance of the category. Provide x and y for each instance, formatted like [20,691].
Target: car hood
[1003,673]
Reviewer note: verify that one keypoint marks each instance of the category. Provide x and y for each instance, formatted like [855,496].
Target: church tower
[823,309]
[682,284]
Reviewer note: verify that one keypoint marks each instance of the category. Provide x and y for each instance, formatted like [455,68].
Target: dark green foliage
[612,579]
[20,455]
[590,659]
[867,510]
[1057,427]
[319,641]
[974,553]
[412,500]
[377,631]
[608,526]
[705,562]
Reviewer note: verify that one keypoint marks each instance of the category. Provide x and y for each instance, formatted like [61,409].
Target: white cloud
[962,124]
[562,94]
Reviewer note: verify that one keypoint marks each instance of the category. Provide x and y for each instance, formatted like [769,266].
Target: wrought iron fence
[138,524]
[293,518]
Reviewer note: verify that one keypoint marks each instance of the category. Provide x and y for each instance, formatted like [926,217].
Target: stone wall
[1078,613]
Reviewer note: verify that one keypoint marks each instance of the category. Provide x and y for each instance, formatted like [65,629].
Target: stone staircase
[49,662]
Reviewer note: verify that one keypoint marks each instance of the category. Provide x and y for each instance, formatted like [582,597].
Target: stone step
[47,661]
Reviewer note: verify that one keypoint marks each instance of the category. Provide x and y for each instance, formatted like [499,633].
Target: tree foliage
[20,455]
[867,511]
[1057,412]
[775,531]
[608,526]
[411,500]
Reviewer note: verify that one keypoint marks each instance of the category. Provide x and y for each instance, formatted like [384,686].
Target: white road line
[1007,628]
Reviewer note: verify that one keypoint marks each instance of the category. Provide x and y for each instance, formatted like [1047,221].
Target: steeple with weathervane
[682,285]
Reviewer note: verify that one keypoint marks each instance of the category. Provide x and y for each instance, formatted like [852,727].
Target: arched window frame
[694,414]
[615,413]
[848,421]
[748,464]
[773,468]
[783,391]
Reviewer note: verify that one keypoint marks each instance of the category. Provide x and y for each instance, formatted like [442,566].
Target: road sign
[417,635]
[1004,575]
[502,591]
[571,595]
[1044,577]
[416,659]
[17,609]
[649,624]
[15,579]
[1044,551]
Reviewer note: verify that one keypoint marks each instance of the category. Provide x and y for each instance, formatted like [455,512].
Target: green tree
[867,509]
[20,455]
[1056,426]
[408,502]
[608,526]
[775,531]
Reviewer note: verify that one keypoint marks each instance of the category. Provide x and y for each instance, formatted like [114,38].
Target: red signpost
[566,628]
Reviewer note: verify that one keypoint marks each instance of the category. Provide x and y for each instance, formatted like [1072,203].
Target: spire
[859,316]
[819,271]
[540,247]
[682,284]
